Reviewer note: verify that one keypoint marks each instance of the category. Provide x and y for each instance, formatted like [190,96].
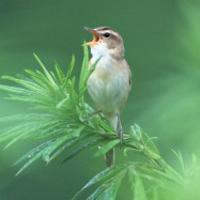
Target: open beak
[96,36]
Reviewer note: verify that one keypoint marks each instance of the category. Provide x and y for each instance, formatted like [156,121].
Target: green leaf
[30,154]
[84,70]
[14,140]
[59,74]
[15,90]
[155,194]
[136,184]
[48,75]
[139,191]
[82,144]
[101,177]
[150,145]
[37,156]
[56,146]
[102,150]
[109,189]
[58,120]
[62,102]
[136,132]
[180,159]
[25,83]
[71,67]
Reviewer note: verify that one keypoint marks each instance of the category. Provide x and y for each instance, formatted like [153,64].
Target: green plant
[60,119]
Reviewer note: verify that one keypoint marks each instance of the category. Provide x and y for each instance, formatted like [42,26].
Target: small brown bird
[110,82]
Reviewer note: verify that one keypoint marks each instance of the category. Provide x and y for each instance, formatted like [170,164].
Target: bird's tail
[110,158]
[115,123]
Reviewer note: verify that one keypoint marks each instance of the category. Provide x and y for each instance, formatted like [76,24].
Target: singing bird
[109,84]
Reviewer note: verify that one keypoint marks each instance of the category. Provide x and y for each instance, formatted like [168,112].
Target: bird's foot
[120,130]
[120,133]
[95,113]
[92,114]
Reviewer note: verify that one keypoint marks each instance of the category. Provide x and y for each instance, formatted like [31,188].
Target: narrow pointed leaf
[102,176]
[106,147]
[45,70]
[109,189]
[139,191]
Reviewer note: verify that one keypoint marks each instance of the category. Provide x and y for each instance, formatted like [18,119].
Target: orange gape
[96,37]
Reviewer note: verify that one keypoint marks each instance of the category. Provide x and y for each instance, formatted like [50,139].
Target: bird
[110,82]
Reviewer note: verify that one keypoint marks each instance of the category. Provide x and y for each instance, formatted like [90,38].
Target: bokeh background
[162,40]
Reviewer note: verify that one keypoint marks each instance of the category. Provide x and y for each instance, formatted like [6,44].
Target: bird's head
[106,42]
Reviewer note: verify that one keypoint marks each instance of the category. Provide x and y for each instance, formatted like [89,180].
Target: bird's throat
[100,52]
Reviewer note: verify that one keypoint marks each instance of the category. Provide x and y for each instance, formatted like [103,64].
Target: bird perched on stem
[110,82]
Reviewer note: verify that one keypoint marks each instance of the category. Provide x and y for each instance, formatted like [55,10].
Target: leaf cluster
[63,124]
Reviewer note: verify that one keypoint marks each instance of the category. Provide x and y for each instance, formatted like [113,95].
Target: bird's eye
[106,34]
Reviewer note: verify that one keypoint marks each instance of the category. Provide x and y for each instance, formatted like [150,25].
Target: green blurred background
[162,40]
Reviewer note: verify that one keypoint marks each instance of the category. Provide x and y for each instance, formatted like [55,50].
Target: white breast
[108,85]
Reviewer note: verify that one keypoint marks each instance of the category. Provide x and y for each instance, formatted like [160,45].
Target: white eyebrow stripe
[109,31]
[103,28]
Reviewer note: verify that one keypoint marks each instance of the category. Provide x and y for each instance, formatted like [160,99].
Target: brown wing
[128,70]
[130,80]
[129,74]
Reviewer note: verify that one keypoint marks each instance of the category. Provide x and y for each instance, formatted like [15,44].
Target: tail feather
[113,119]
[110,158]
[115,123]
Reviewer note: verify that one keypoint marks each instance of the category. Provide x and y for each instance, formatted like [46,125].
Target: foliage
[64,124]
